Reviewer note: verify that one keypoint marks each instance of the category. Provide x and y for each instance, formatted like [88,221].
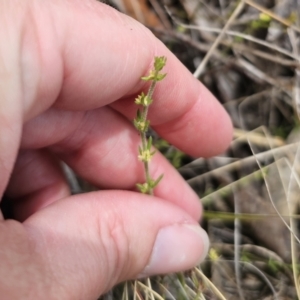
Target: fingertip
[204,130]
[217,129]
[177,247]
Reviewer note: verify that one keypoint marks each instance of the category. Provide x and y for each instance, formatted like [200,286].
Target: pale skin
[69,73]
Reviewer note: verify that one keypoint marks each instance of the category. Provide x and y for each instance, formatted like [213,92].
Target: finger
[100,69]
[9,141]
[111,237]
[102,147]
[184,112]
[11,96]
[37,180]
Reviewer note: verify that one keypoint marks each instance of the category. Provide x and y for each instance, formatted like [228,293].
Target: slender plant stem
[142,124]
[143,135]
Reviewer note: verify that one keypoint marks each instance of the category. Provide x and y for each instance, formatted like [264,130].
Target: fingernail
[178,247]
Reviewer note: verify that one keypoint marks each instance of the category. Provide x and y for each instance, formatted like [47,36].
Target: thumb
[91,242]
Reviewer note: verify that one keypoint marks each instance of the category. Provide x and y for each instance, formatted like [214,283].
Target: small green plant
[263,21]
[142,124]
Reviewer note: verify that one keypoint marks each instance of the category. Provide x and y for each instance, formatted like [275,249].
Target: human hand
[69,71]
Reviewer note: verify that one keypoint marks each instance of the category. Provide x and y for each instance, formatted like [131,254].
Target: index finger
[105,53]
[80,55]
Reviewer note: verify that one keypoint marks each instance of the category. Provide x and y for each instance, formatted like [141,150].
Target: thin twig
[146,288]
[210,284]
[205,60]
[237,242]
[296,87]
[257,138]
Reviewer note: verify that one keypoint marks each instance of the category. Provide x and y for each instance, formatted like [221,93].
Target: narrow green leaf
[157,181]
[150,77]
[160,77]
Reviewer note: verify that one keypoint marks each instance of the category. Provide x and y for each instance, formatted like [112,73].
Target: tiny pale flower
[145,155]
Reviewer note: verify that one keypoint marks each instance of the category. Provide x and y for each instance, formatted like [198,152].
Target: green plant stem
[147,175]
[142,125]
[143,134]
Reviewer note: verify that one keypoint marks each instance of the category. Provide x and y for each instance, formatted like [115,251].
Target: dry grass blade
[296,88]
[256,138]
[125,295]
[269,190]
[240,35]
[148,281]
[210,284]
[294,189]
[237,241]
[205,60]
[149,290]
